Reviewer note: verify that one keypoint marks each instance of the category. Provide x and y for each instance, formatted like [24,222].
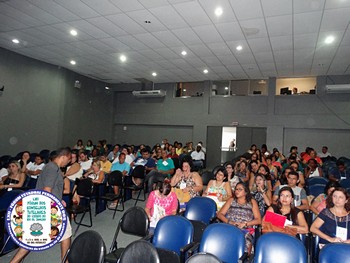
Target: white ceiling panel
[149,40]
[277,7]
[45,10]
[188,36]
[305,41]
[264,57]
[264,67]
[115,44]
[126,23]
[19,16]
[212,61]
[307,23]
[201,50]
[106,26]
[89,29]
[338,35]
[151,54]
[196,62]
[219,49]
[283,57]
[245,58]
[330,4]
[9,24]
[169,17]
[103,7]
[207,34]
[259,45]
[168,39]
[254,28]
[228,60]
[227,15]
[132,42]
[230,31]
[141,16]
[97,44]
[305,6]
[279,25]
[329,23]
[126,6]
[65,28]
[167,53]
[81,9]
[247,9]
[193,13]
[281,43]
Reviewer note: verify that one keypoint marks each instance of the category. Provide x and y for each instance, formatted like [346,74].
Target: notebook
[275,219]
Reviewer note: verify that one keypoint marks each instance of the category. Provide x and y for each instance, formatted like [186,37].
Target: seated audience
[145,160]
[164,169]
[95,173]
[311,155]
[74,169]
[113,155]
[79,145]
[161,202]
[324,152]
[264,170]
[219,189]
[319,203]
[261,193]
[285,207]
[187,184]
[338,173]
[89,146]
[242,211]
[124,168]
[84,161]
[272,168]
[172,153]
[14,179]
[332,223]
[24,160]
[300,198]
[106,165]
[242,171]
[282,180]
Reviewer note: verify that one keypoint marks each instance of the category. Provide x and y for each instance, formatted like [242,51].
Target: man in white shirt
[84,161]
[33,170]
[198,157]
[324,152]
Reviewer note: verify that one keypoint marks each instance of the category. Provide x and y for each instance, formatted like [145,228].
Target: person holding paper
[332,224]
[285,206]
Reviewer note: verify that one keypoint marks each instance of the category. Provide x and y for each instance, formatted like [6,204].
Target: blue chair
[316,189]
[335,253]
[224,241]
[317,180]
[345,183]
[278,247]
[201,209]
[173,234]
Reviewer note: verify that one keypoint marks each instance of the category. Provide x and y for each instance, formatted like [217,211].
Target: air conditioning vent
[338,88]
[149,93]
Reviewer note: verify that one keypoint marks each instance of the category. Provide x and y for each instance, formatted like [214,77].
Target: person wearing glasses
[242,211]
[14,179]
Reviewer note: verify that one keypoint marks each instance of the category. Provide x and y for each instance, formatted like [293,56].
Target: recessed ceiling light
[122,58]
[154,74]
[16,41]
[106,87]
[218,11]
[184,53]
[205,71]
[226,88]
[239,48]
[184,90]
[73,32]
[329,39]
[73,62]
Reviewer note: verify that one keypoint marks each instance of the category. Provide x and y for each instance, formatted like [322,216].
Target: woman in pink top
[319,202]
[161,202]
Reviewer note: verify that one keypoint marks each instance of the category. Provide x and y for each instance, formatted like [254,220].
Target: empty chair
[278,247]
[139,251]
[88,247]
[203,258]
[138,173]
[224,241]
[84,188]
[134,222]
[335,253]
[172,234]
[201,209]
[207,176]
[345,183]
[115,178]
[316,180]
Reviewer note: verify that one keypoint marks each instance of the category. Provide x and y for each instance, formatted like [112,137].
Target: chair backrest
[201,209]
[316,180]
[198,230]
[225,241]
[316,189]
[138,172]
[88,247]
[135,222]
[279,247]
[203,258]
[207,176]
[115,178]
[84,187]
[139,251]
[335,253]
[345,183]
[172,233]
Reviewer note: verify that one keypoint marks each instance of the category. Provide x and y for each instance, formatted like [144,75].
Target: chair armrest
[243,258]
[148,238]
[185,250]
[193,249]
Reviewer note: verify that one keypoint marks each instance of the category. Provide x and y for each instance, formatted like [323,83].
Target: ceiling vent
[338,88]
[149,93]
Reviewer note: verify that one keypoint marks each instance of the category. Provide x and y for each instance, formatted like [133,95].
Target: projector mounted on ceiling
[149,93]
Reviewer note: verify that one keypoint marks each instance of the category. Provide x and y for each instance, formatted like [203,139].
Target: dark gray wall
[40,108]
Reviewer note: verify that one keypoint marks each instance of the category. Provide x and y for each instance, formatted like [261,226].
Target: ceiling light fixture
[154,74]
[73,62]
[329,40]
[226,88]
[218,11]
[107,87]
[239,48]
[122,58]
[16,41]
[205,71]
[184,53]
[73,32]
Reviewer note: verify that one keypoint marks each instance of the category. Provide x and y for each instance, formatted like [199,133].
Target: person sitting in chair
[198,157]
